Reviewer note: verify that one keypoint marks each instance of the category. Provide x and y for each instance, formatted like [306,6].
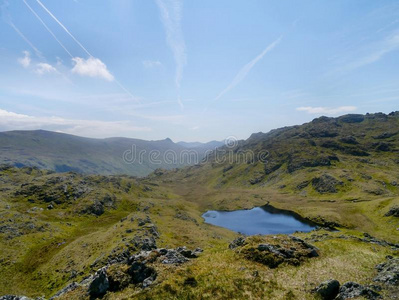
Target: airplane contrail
[84,49]
[48,29]
[38,53]
[63,27]
[245,70]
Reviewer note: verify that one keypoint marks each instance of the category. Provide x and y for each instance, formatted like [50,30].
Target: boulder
[238,242]
[99,284]
[189,253]
[327,290]
[393,211]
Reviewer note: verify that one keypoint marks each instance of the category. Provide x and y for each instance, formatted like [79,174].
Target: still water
[259,220]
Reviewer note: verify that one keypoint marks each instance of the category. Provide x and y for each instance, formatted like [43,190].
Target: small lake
[259,220]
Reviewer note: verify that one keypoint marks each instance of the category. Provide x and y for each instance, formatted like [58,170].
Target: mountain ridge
[64,152]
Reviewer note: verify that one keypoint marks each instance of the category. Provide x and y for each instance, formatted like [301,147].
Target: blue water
[259,220]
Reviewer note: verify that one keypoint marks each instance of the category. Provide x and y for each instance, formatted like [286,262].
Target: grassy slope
[41,262]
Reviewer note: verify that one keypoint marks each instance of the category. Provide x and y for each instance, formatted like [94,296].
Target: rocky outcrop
[273,251]
[388,272]
[138,269]
[326,184]
[351,290]
[298,162]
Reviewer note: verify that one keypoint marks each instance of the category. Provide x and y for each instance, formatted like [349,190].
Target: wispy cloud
[389,44]
[247,68]
[171,15]
[14,121]
[326,110]
[44,68]
[92,67]
[26,60]
[151,64]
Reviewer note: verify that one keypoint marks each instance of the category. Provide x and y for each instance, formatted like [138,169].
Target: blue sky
[193,70]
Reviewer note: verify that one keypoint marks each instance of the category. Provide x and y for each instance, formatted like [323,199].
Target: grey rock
[388,272]
[238,242]
[100,283]
[65,290]
[328,290]
[173,257]
[351,290]
[393,211]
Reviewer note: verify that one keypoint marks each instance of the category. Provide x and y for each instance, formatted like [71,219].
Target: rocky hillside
[70,236]
[354,155]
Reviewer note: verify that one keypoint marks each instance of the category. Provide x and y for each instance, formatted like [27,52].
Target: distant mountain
[63,152]
[210,145]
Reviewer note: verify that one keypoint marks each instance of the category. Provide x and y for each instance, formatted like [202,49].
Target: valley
[123,237]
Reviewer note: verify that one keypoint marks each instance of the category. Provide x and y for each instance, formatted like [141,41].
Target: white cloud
[245,70]
[326,110]
[94,128]
[151,64]
[26,60]
[44,68]
[92,67]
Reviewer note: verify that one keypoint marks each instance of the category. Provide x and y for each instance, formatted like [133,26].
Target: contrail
[48,29]
[7,18]
[63,27]
[171,14]
[245,70]
[84,49]
[38,53]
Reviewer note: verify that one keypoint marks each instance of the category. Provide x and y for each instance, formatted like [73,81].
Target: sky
[193,70]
